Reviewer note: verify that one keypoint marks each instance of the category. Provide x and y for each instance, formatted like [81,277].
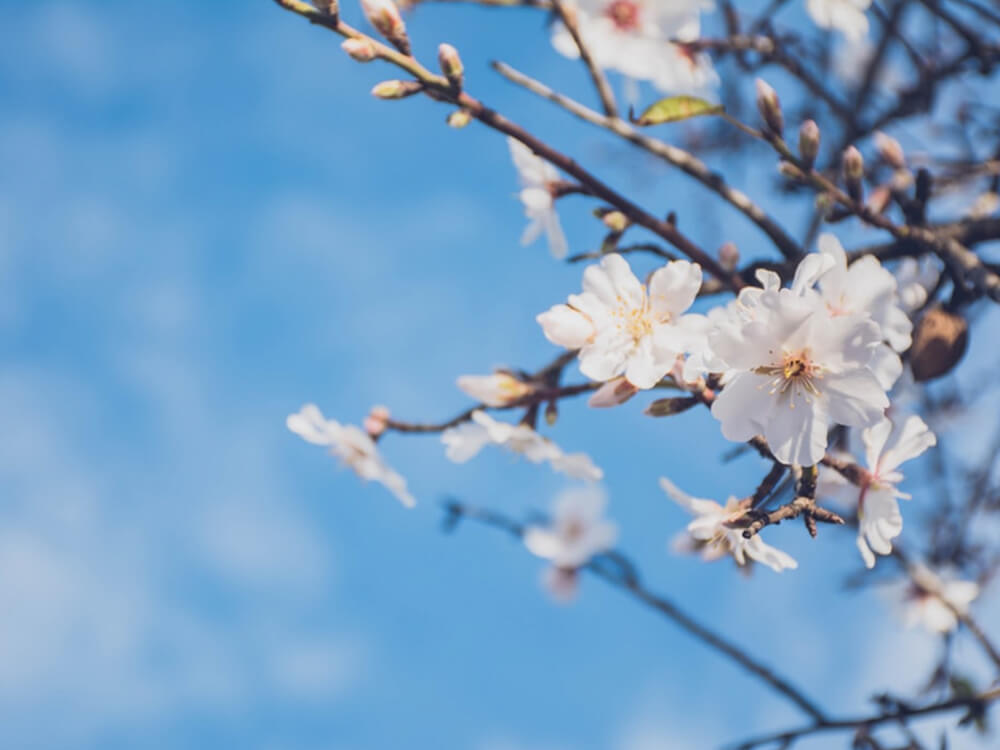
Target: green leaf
[674,109]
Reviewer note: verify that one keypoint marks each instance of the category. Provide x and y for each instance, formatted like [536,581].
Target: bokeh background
[206,221]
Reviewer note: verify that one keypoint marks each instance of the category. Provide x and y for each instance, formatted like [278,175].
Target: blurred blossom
[633,37]
[538,179]
[463,442]
[498,389]
[846,16]
[577,532]
[930,602]
[350,444]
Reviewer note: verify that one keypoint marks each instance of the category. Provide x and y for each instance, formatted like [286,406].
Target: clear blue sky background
[205,221]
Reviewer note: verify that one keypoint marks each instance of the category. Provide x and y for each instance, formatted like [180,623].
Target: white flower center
[624,14]
[635,322]
[796,373]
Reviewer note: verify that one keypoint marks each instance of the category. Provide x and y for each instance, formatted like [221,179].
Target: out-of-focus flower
[793,370]
[621,328]
[578,530]
[634,38]
[932,603]
[915,279]
[350,444]
[710,534]
[846,16]
[498,389]
[463,442]
[537,177]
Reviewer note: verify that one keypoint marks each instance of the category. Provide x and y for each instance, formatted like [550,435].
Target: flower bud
[396,89]
[854,171]
[359,49]
[551,413]
[769,107]
[616,221]
[498,389]
[809,142]
[613,393]
[376,421]
[459,118]
[665,407]
[890,150]
[451,64]
[385,17]
[729,256]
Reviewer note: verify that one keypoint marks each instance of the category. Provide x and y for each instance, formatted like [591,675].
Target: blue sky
[206,221]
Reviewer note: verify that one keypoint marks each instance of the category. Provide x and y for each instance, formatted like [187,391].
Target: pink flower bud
[613,393]
[451,64]
[769,107]
[361,50]
[729,256]
[854,171]
[376,421]
[385,17]
[890,150]
[809,142]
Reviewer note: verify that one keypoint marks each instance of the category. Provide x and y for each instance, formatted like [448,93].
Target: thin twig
[632,585]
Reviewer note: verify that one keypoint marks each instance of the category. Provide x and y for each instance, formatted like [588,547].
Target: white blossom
[537,177]
[932,603]
[498,389]
[577,532]
[465,441]
[846,16]
[709,531]
[793,370]
[886,448]
[633,37]
[623,328]
[350,444]
[867,288]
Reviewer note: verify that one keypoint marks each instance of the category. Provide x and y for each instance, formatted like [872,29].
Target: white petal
[464,441]
[564,326]
[310,425]
[674,287]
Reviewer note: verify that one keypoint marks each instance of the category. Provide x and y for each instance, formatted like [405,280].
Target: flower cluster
[797,361]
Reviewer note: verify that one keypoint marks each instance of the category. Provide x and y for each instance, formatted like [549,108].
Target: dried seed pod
[939,342]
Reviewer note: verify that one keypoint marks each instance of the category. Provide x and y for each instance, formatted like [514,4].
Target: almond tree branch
[569,19]
[973,704]
[438,87]
[686,162]
[623,575]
